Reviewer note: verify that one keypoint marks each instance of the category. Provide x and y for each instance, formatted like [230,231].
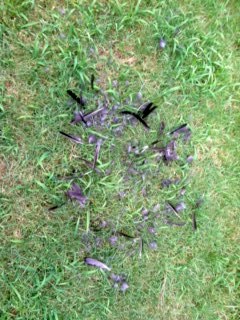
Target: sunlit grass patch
[172,271]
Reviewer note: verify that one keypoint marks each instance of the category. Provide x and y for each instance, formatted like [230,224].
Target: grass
[49,47]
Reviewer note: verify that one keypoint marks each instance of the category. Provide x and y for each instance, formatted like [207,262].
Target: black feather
[56,207]
[148,109]
[137,117]
[92,81]
[179,128]
[146,106]
[79,100]
[72,138]
[194,222]
[155,142]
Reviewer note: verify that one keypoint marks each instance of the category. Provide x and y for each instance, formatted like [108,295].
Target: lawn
[160,208]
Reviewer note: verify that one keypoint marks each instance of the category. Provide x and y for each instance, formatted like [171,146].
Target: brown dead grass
[117,56]
[3,169]
[17,234]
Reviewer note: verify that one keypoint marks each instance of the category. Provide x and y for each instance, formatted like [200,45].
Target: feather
[92,139]
[124,287]
[113,240]
[145,212]
[117,278]
[79,100]
[162,44]
[148,109]
[53,208]
[92,81]
[152,230]
[182,192]
[56,207]
[170,152]
[96,263]
[153,245]
[78,117]
[154,142]
[160,150]
[162,127]
[76,193]
[174,209]
[166,182]
[180,206]
[139,96]
[88,115]
[97,150]
[194,221]
[187,135]
[181,128]
[184,130]
[144,106]
[189,159]
[137,117]
[124,234]
[71,137]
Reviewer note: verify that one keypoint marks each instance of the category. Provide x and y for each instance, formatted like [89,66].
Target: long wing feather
[180,128]
[92,81]
[71,137]
[97,150]
[79,100]
[137,117]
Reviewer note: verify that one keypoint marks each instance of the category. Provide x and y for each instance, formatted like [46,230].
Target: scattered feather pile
[108,115]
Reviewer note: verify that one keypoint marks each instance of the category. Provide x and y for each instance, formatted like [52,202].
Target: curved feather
[137,117]
[96,263]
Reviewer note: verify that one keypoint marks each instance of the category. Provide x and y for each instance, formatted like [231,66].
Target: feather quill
[71,137]
[96,263]
[88,115]
[174,209]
